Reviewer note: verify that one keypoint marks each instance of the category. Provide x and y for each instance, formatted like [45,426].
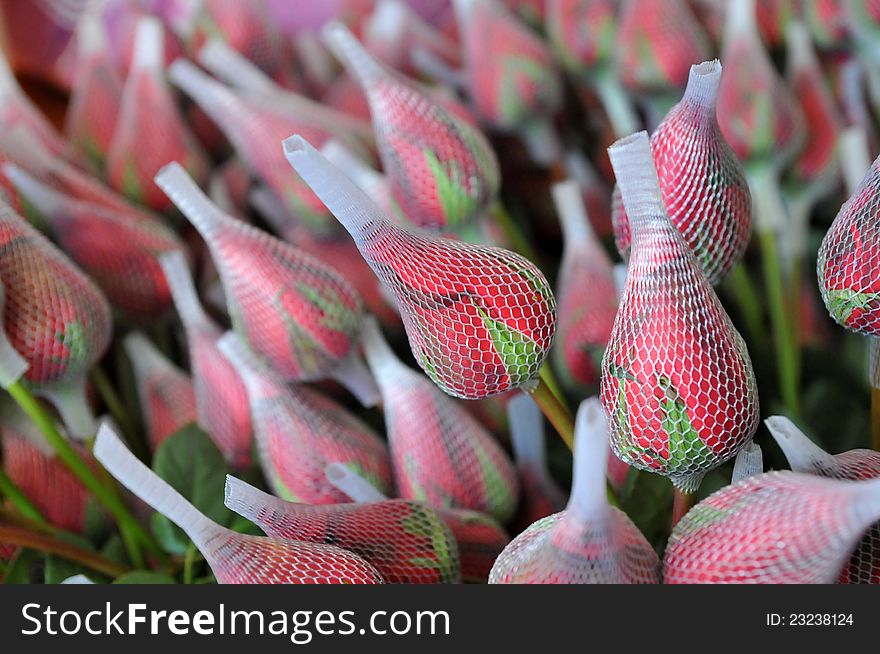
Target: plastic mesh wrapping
[54,316]
[30,463]
[587,292]
[234,558]
[298,432]
[589,542]
[150,130]
[658,43]
[442,171]
[96,94]
[511,78]
[440,453]
[294,311]
[805,456]
[480,320]
[407,542]
[221,398]
[774,528]
[849,259]
[165,392]
[677,380]
[702,182]
[252,126]
[121,255]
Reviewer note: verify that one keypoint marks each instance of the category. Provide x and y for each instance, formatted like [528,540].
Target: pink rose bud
[582,32]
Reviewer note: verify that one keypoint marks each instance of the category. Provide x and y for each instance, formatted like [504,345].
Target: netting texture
[150,130]
[849,259]
[440,453]
[658,43]
[442,171]
[702,181]
[16,109]
[480,320]
[165,392]
[54,316]
[510,72]
[582,32]
[677,380]
[407,542]
[480,540]
[773,528]
[298,432]
[221,397]
[297,313]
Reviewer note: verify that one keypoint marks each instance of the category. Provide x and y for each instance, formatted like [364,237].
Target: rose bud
[294,311]
[805,456]
[32,465]
[828,24]
[480,320]
[657,45]
[441,170]
[121,255]
[540,496]
[165,392]
[54,317]
[480,539]
[17,109]
[587,292]
[150,130]
[407,542]
[848,270]
[677,380]
[298,432]
[590,542]
[439,452]
[221,398]
[96,94]
[233,558]
[251,125]
[702,182]
[773,528]
[510,73]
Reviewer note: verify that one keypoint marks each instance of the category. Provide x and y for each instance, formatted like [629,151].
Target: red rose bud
[394,32]
[17,109]
[298,432]
[121,255]
[166,394]
[407,542]
[540,496]
[96,94]
[441,170]
[773,528]
[587,293]
[702,182]
[590,542]
[511,77]
[677,380]
[250,125]
[221,398]
[294,311]
[849,259]
[757,113]
[440,453]
[12,365]
[150,130]
[31,464]
[233,558]
[772,17]
[805,456]
[480,539]
[828,23]
[582,32]
[480,320]
[54,317]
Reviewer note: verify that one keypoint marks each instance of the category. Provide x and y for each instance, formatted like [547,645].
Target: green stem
[681,504]
[549,378]
[117,410]
[740,285]
[132,531]
[616,103]
[513,232]
[189,563]
[24,538]
[19,500]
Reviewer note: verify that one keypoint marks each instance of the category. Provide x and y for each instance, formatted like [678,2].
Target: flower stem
[513,232]
[189,563]
[132,532]
[549,378]
[556,413]
[23,538]
[740,285]
[19,500]
[681,504]
[117,410]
